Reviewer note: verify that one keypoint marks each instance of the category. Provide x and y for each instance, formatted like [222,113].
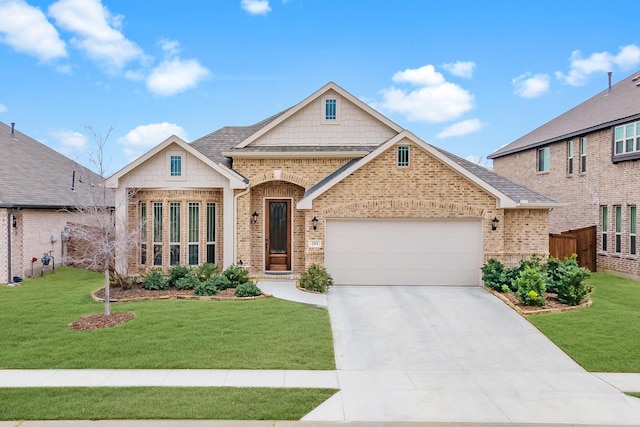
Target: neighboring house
[329,181]
[39,189]
[588,159]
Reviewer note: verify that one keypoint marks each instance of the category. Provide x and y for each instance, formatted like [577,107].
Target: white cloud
[462,69]
[3,108]
[98,32]
[581,68]
[461,128]
[26,29]
[435,99]
[170,47]
[531,86]
[176,75]
[256,7]
[144,137]
[423,76]
[70,143]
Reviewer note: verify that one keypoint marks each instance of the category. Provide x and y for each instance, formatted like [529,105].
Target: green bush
[155,281]
[247,290]
[531,289]
[316,279]
[554,273]
[176,273]
[187,282]
[236,275]
[206,288]
[494,275]
[207,271]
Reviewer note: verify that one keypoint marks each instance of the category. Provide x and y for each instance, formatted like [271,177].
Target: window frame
[622,140]
[403,156]
[175,241]
[175,165]
[604,225]
[617,209]
[334,118]
[633,220]
[193,233]
[157,233]
[210,232]
[546,159]
[143,233]
[570,154]
[583,154]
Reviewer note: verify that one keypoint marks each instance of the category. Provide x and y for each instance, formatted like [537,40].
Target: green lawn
[118,403]
[257,334]
[606,336]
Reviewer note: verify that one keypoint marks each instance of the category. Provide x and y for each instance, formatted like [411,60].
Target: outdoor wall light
[254,217]
[314,223]
[15,222]
[494,223]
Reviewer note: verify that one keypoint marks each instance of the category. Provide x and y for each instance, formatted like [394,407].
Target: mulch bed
[136,293]
[552,303]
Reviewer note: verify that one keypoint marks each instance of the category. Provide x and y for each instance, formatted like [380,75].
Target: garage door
[404,252]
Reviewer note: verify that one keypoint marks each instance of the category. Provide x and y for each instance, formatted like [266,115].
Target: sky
[466,76]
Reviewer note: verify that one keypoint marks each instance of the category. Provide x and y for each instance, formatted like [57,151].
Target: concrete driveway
[455,355]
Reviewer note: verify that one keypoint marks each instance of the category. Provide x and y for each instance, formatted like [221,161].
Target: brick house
[328,181]
[587,158]
[39,189]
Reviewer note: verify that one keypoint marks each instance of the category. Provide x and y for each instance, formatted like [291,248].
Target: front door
[278,235]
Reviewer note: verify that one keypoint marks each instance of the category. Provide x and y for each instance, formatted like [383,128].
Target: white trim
[293,110]
[295,154]
[503,201]
[235,180]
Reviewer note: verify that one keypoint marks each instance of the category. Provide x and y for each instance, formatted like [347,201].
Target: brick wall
[603,183]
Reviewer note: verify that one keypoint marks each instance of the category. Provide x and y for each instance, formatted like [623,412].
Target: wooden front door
[278,235]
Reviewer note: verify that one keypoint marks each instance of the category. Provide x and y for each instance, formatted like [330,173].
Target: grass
[604,337]
[258,334]
[106,403]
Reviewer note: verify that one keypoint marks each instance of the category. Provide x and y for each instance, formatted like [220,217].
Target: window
[632,230]
[403,156]
[143,233]
[211,233]
[618,212]
[627,138]
[570,157]
[330,110]
[544,159]
[583,154]
[194,233]
[174,233]
[604,224]
[176,165]
[157,233]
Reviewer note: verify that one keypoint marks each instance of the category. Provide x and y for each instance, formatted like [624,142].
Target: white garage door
[404,252]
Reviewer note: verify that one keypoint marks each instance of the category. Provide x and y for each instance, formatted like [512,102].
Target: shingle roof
[224,139]
[601,111]
[34,175]
[509,188]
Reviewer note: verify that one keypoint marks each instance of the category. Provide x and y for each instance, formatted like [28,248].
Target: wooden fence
[581,241]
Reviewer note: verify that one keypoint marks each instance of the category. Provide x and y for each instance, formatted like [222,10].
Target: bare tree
[93,237]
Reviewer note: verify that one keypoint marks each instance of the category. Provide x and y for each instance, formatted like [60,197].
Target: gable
[155,172]
[308,127]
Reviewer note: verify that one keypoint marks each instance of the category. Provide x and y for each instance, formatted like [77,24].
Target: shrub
[554,273]
[531,288]
[176,273]
[117,280]
[155,280]
[236,276]
[247,290]
[494,275]
[316,279]
[535,261]
[187,282]
[206,288]
[207,271]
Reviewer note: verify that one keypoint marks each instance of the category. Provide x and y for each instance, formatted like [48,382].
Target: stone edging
[525,312]
[181,297]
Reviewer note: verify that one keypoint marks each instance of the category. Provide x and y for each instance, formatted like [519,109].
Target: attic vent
[636,78]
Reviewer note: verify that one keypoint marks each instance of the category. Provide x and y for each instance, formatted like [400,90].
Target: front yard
[165,334]
[604,337]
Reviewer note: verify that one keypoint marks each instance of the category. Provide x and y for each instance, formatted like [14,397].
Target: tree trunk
[107,304]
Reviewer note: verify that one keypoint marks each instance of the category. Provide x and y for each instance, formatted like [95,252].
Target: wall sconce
[254,217]
[15,222]
[314,223]
[494,223]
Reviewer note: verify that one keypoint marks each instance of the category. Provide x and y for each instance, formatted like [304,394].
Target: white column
[228,220]
[122,256]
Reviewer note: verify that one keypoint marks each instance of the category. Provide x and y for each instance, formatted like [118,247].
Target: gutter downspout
[9,276]
[235,222]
